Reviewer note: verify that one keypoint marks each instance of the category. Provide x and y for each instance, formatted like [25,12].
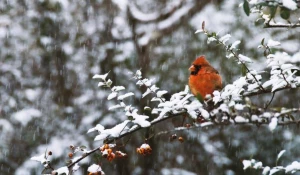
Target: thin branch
[281,72]
[225,123]
[249,94]
[235,56]
[123,135]
[274,25]
[184,112]
[270,101]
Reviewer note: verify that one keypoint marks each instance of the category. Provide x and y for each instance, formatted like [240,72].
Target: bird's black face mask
[196,69]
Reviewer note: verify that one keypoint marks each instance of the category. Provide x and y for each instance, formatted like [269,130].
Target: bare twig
[268,25]
[287,83]
[270,101]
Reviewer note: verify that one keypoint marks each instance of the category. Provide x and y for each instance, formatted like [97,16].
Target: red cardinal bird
[204,79]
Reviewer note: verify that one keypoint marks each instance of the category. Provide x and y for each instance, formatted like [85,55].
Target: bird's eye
[198,67]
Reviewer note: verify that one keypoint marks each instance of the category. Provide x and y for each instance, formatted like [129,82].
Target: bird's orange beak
[192,68]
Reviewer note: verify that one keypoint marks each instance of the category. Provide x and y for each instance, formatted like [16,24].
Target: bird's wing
[211,70]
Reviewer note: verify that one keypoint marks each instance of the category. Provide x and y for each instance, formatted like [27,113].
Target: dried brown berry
[181,139]
[70,155]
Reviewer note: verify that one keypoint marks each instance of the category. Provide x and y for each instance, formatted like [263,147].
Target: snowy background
[51,49]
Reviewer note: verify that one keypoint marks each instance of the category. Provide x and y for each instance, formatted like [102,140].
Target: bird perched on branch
[204,79]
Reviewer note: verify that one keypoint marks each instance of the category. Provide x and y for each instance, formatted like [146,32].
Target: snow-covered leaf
[140,119]
[101,137]
[114,107]
[148,91]
[94,168]
[121,97]
[271,43]
[244,59]
[204,113]
[266,170]
[225,38]
[109,82]
[240,119]
[112,95]
[280,154]
[153,88]
[117,88]
[101,84]
[102,77]
[239,106]
[233,46]
[290,4]
[114,131]
[62,170]
[288,67]
[98,128]
[295,166]
[257,165]
[247,164]
[230,55]
[274,170]
[76,167]
[278,85]
[199,31]
[211,39]
[161,93]
[216,97]
[147,108]
[42,159]
[273,124]
[138,74]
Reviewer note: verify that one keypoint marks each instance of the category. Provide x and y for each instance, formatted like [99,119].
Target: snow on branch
[153,17]
[232,106]
[268,11]
[164,22]
[267,170]
[282,75]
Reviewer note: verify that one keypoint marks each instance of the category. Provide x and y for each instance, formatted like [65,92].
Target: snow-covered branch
[285,8]
[276,25]
[267,170]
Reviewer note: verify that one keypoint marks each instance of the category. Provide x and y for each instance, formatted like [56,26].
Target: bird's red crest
[201,61]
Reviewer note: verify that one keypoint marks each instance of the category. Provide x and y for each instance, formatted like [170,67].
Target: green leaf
[199,98]
[266,53]
[262,41]
[130,118]
[284,13]
[273,10]
[244,70]
[246,7]
[82,147]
